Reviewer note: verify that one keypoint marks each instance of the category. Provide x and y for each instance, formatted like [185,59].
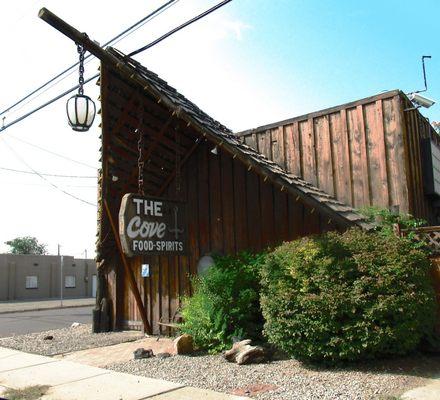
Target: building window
[70,281]
[32,282]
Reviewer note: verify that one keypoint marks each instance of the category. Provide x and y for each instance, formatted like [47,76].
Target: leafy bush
[347,297]
[225,303]
[385,219]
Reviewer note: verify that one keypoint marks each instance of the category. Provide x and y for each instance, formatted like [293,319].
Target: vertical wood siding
[357,152]
[416,128]
[237,211]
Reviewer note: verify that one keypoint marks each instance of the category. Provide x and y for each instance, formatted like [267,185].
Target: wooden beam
[129,272]
[182,163]
[123,116]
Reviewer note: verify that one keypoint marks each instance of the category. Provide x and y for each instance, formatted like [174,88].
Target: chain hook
[140,146]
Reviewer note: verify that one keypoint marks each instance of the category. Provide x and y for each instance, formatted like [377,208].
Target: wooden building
[236,199]
[377,151]
[188,187]
[176,185]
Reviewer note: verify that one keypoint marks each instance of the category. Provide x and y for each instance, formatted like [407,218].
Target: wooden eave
[220,136]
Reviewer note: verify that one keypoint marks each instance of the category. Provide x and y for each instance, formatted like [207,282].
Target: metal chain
[177,140]
[140,161]
[81,52]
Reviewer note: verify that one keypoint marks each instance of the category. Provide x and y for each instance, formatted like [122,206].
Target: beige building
[38,277]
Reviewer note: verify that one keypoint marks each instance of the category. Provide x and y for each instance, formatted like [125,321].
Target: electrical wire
[116,39]
[53,175]
[178,28]
[46,104]
[53,153]
[45,179]
[151,44]
[45,184]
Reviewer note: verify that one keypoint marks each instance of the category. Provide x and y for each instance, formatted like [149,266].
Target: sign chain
[177,140]
[140,146]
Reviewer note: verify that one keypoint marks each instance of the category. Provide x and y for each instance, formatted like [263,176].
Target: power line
[53,175]
[46,104]
[53,153]
[45,184]
[177,29]
[117,38]
[151,44]
[45,179]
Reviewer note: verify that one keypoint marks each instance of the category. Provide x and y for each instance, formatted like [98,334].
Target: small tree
[26,245]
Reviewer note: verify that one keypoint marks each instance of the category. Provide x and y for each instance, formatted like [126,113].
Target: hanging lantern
[81,109]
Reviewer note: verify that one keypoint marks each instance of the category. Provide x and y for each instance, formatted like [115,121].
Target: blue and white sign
[145,271]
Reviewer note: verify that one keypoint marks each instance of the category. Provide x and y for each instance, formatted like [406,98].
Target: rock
[251,355]
[244,353]
[163,355]
[183,344]
[231,354]
[48,337]
[75,325]
[142,353]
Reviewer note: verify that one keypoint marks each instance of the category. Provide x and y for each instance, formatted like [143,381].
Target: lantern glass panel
[80,112]
[82,108]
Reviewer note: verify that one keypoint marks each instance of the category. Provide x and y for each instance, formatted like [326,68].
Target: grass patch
[27,393]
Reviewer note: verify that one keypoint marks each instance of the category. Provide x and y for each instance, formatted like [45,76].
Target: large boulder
[183,344]
[244,353]
[142,353]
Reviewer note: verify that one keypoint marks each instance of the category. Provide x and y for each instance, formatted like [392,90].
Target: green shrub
[385,219]
[347,297]
[225,303]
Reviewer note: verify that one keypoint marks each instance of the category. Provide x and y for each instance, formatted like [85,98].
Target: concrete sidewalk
[48,304]
[72,381]
[430,391]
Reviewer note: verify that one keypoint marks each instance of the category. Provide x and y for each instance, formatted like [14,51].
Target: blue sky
[330,52]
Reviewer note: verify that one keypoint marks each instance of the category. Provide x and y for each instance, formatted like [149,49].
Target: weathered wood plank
[324,159]
[277,144]
[203,192]
[293,149]
[267,222]
[264,144]
[215,202]
[280,217]
[251,141]
[253,211]
[193,214]
[308,151]
[227,187]
[364,156]
[394,146]
[356,158]
[377,163]
[164,291]
[240,217]
[341,156]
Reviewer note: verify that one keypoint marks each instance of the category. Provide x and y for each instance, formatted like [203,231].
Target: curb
[46,308]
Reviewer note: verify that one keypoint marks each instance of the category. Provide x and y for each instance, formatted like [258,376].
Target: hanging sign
[152,226]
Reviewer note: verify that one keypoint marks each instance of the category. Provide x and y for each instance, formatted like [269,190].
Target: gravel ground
[66,340]
[289,379]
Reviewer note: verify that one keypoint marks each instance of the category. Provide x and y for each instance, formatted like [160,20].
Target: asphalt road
[38,321]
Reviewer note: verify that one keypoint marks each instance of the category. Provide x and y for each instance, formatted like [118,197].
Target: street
[37,321]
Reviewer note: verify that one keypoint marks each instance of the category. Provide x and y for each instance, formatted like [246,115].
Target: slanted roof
[225,138]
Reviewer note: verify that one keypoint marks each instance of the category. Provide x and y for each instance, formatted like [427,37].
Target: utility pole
[85,254]
[59,246]
[61,280]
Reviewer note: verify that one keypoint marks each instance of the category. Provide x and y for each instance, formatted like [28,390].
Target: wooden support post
[131,279]
[182,163]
